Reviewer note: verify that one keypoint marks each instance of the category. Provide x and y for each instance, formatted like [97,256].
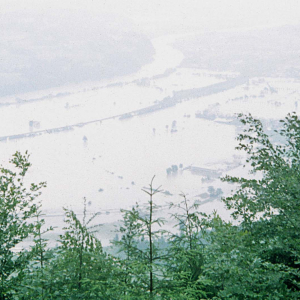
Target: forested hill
[264,52]
[67,47]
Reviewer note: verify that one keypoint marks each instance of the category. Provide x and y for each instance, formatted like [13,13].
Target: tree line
[256,255]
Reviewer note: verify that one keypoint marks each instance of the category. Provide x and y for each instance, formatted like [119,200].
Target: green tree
[79,256]
[35,281]
[269,207]
[186,252]
[17,208]
[141,231]
[130,253]
[148,230]
[259,257]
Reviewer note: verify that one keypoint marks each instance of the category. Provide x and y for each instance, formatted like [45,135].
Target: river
[109,160]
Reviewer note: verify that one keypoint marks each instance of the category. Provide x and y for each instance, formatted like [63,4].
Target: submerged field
[106,140]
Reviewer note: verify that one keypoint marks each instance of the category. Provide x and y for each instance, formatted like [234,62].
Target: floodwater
[109,160]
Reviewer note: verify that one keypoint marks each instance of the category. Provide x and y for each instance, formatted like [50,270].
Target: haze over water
[104,134]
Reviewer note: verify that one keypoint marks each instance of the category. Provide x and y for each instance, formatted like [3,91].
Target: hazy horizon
[106,94]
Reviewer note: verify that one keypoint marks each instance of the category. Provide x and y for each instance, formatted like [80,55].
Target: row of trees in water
[255,257]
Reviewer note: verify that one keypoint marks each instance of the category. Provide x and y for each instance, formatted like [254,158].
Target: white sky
[177,15]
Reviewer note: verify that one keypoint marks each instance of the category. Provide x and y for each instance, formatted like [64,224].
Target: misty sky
[176,16]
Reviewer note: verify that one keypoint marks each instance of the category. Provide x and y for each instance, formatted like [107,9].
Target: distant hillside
[267,52]
[65,47]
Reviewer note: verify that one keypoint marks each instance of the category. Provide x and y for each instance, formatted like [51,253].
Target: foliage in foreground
[256,256]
